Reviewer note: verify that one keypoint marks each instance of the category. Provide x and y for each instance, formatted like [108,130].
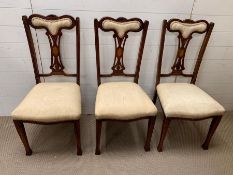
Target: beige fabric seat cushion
[185,100]
[123,101]
[50,102]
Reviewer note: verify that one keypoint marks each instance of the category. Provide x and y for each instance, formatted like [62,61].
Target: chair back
[185,29]
[120,28]
[53,26]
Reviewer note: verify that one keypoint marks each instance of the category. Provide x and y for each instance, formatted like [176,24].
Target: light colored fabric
[50,102]
[52,25]
[121,27]
[186,28]
[187,101]
[123,101]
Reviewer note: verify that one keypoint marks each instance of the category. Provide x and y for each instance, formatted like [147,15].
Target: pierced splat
[56,62]
[53,26]
[185,29]
[118,65]
[178,65]
[120,27]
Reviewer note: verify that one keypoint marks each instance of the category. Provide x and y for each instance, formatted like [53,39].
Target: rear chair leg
[151,124]
[213,126]
[98,135]
[22,134]
[155,97]
[77,134]
[165,126]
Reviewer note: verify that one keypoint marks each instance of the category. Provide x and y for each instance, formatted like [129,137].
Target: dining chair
[51,102]
[185,101]
[122,101]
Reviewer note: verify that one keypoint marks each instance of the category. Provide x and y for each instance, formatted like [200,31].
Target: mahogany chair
[185,101]
[122,101]
[51,103]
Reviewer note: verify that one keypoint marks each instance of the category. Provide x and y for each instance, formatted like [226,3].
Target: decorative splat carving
[178,65]
[53,26]
[185,29]
[120,26]
[56,62]
[118,64]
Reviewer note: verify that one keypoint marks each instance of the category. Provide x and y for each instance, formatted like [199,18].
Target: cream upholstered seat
[50,102]
[123,101]
[185,100]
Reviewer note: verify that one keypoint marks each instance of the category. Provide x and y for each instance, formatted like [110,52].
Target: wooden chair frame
[118,70]
[177,70]
[56,69]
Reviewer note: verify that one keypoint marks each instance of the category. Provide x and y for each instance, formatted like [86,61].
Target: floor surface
[122,149]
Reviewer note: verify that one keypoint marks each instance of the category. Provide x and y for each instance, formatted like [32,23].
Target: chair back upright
[53,25]
[185,29]
[120,28]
